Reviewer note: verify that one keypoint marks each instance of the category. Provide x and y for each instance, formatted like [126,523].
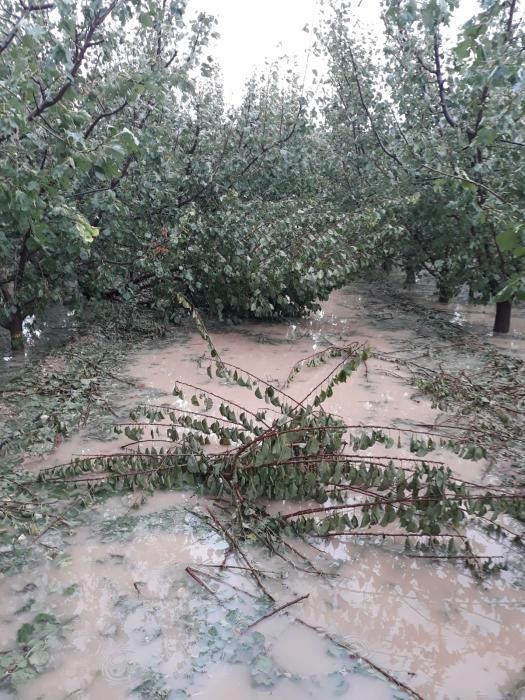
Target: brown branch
[7,41]
[513,143]
[454,556]
[195,576]
[441,82]
[80,53]
[277,610]
[410,499]
[233,542]
[226,583]
[355,655]
[424,65]
[361,533]
[221,398]
[473,131]
[103,115]
[230,566]
[25,9]
[380,143]
[510,19]
[59,518]
[266,149]
[170,60]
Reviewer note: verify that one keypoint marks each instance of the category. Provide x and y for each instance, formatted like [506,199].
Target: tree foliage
[125,175]
[434,122]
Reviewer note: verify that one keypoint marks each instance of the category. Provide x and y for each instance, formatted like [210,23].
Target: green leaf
[508,239]
[25,633]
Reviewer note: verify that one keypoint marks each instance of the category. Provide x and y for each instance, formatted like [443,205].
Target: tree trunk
[386,266]
[502,320]
[410,277]
[444,294]
[16,331]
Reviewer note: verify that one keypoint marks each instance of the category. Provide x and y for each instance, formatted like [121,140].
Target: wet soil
[133,623]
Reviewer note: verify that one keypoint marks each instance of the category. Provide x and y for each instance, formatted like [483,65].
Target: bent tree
[76,87]
[440,127]
[124,175]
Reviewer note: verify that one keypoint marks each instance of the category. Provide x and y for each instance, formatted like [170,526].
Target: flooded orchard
[136,596]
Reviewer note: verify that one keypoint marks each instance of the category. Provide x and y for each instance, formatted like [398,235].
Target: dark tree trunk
[16,331]
[443,294]
[502,320]
[386,266]
[410,277]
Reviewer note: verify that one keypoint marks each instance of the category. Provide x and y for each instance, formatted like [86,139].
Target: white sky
[254,30]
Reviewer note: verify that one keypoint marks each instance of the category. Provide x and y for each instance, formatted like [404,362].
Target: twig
[235,544]
[277,610]
[102,371]
[59,518]
[355,655]
[240,568]
[195,576]
[225,583]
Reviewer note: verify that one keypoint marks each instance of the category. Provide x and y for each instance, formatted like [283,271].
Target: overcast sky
[253,30]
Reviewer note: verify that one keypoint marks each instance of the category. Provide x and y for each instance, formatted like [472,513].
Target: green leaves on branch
[302,453]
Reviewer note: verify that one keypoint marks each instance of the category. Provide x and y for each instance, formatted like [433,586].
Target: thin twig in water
[277,610]
[355,655]
[195,576]
[226,583]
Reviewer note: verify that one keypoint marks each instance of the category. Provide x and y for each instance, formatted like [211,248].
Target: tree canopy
[124,175]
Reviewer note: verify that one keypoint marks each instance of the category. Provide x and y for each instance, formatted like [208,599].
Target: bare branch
[380,143]
[441,82]
[103,115]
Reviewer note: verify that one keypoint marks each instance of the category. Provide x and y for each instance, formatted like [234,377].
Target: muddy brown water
[134,619]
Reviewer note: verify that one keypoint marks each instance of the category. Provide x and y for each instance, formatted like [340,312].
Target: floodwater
[476,318]
[41,335]
[132,623]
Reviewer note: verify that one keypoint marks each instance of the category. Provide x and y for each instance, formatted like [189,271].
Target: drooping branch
[368,113]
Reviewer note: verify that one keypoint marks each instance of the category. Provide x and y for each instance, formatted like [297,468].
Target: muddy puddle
[122,617]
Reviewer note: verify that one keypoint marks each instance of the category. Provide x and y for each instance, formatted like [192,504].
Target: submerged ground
[105,606]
